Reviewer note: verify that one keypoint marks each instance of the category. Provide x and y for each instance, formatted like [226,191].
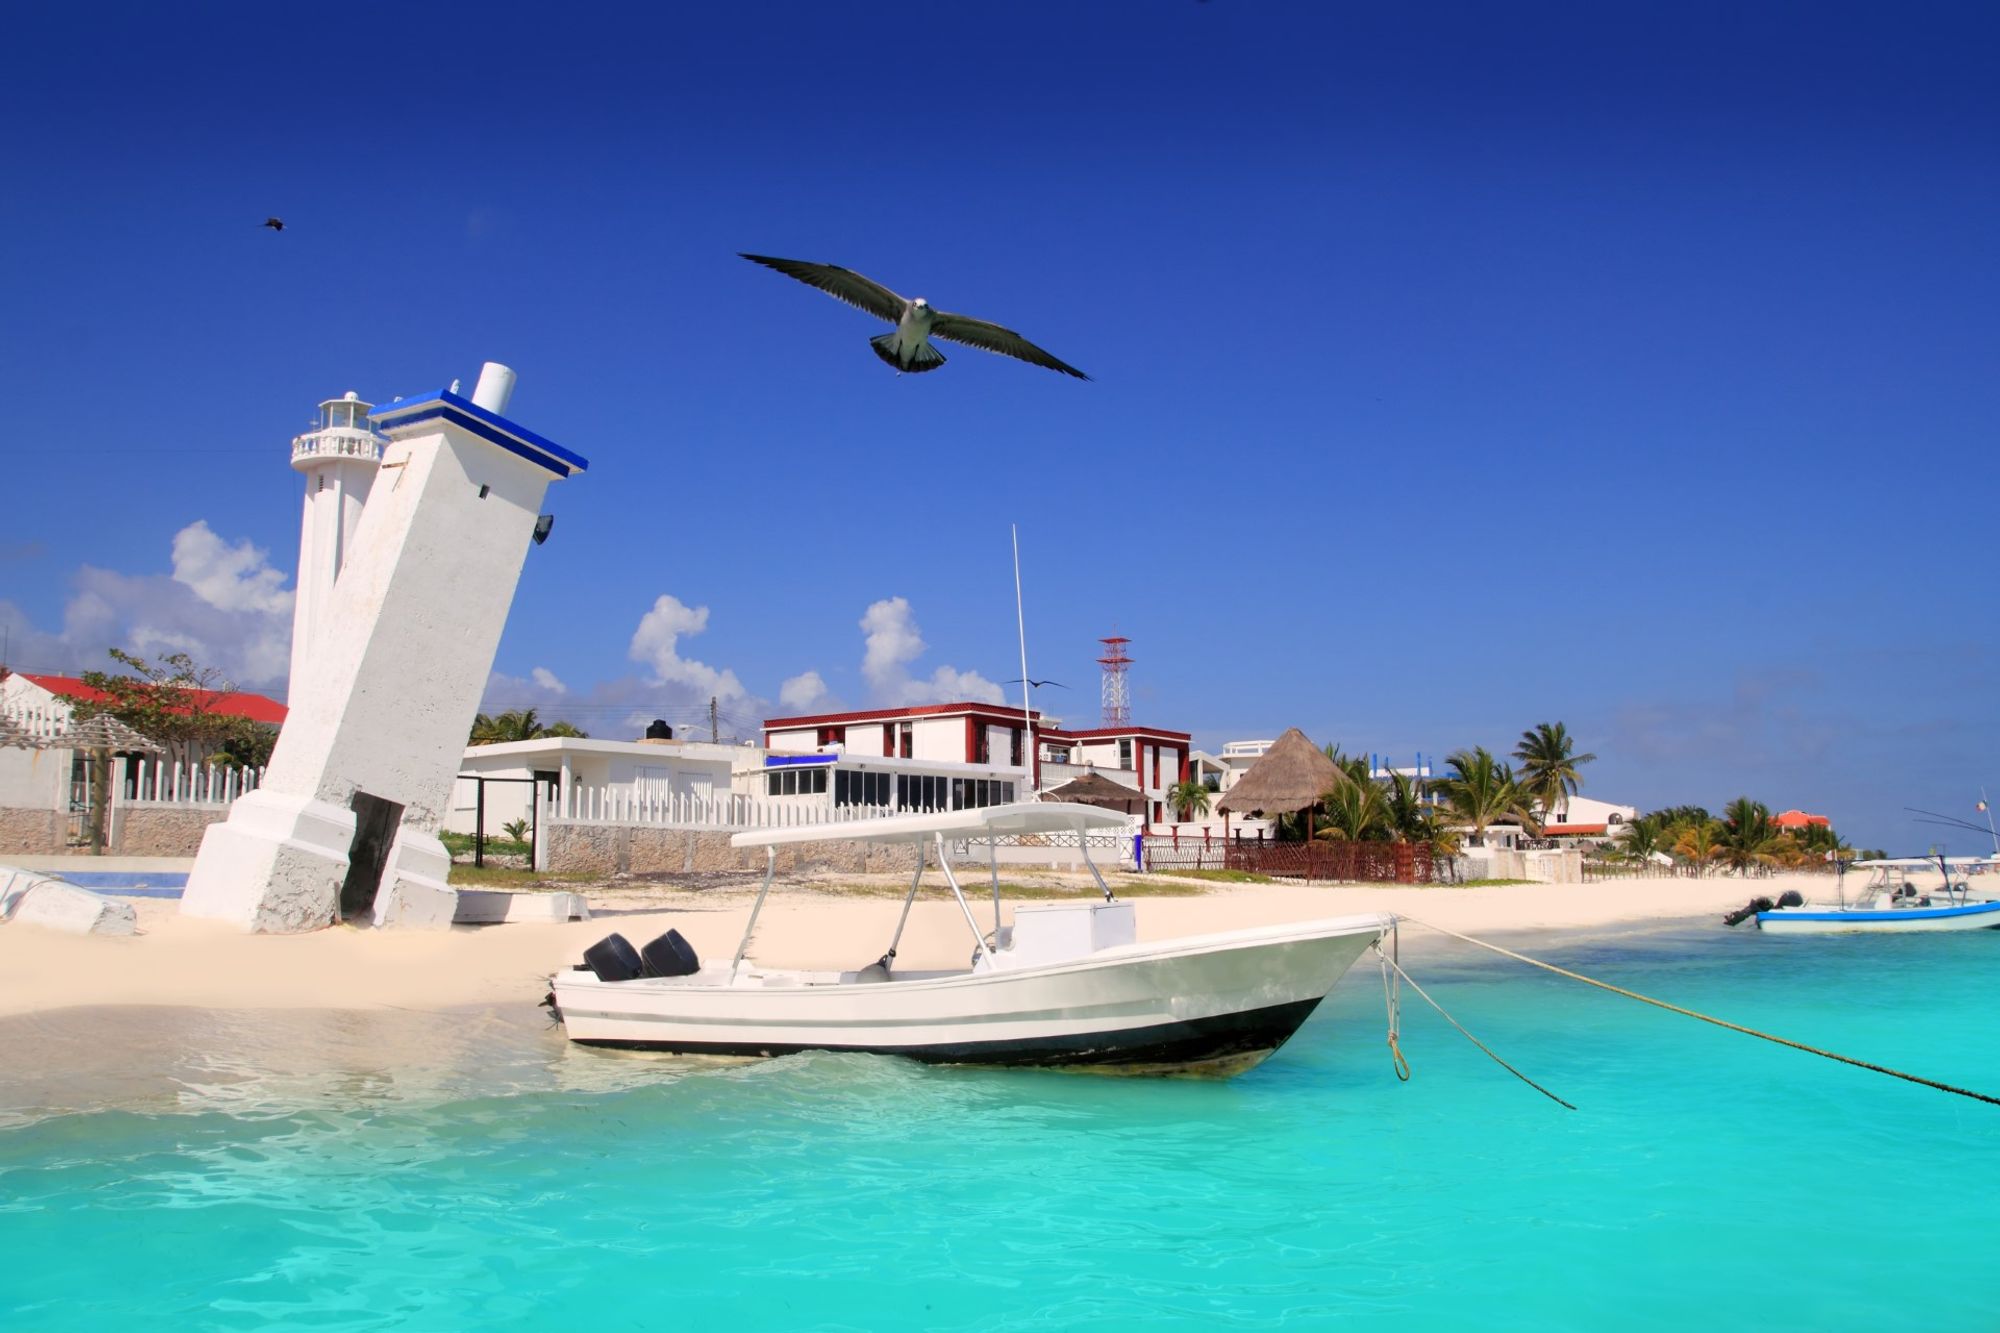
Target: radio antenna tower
[1117,701]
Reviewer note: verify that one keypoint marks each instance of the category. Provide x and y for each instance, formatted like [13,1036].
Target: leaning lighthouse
[339,459]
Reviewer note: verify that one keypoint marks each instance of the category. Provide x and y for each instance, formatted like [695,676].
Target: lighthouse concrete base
[413,890]
[275,865]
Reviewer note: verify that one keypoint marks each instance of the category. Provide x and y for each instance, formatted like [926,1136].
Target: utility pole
[714,735]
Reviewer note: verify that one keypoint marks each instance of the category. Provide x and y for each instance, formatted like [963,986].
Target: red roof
[255,707]
[997,712]
[1799,819]
[1117,733]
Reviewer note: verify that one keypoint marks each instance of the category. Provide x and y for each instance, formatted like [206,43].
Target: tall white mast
[1021,625]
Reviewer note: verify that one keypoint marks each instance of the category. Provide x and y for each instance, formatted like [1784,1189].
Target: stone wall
[163,830]
[607,850]
[173,830]
[34,832]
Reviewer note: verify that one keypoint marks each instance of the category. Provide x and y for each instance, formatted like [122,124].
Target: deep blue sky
[1457,367]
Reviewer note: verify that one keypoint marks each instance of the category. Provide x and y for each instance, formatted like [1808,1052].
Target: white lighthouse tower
[339,459]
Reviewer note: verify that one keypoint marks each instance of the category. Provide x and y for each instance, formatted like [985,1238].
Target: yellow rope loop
[1402,1063]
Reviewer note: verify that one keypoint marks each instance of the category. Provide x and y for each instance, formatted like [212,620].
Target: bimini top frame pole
[1083,850]
[750,926]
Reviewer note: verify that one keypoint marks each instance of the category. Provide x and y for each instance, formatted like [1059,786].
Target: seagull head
[921,304]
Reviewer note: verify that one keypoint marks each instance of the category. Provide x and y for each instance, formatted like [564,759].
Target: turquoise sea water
[1707,1180]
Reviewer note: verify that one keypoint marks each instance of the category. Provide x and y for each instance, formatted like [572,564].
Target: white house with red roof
[34,692]
[43,704]
[1150,760]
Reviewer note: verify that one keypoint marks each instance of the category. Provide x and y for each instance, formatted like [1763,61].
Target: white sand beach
[177,961]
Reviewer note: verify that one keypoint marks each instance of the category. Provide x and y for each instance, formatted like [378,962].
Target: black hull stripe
[1198,1041]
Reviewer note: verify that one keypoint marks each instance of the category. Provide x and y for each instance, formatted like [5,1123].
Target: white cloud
[803,692]
[223,605]
[949,685]
[228,578]
[892,641]
[548,680]
[656,643]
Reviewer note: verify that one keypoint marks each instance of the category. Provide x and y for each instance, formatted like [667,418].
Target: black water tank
[670,956]
[613,959]
[659,730]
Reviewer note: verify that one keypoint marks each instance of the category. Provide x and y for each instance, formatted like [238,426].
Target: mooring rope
[1706,1018]
[1392,1001]
[1490,1054]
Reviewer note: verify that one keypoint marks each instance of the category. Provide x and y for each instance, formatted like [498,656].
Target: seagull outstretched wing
[992,338]
[843,284]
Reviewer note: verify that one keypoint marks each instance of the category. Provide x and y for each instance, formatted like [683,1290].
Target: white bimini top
[1020,817]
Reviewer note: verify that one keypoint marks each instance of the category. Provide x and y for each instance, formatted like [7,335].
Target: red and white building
[988,735]
[1150,760]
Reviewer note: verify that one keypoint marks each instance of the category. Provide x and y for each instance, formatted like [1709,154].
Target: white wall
[35,779]
[939,738]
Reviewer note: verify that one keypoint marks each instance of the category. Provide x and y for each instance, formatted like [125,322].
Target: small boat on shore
[1066,984]
[1893,902]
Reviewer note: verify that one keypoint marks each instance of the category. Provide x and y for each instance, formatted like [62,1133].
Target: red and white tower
[1117,701]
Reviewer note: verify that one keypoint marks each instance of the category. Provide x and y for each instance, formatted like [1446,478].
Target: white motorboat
[1066,984]
[1892,901]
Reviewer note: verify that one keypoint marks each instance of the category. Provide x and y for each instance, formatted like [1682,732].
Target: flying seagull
[908,347]
[1039,683]
[275,224]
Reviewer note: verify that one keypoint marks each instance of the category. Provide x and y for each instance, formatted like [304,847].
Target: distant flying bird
[275,224]
[908,347]
[1039,683]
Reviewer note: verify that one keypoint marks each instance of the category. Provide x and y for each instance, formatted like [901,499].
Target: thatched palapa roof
[102,732]
[1293,774]
[1102,792]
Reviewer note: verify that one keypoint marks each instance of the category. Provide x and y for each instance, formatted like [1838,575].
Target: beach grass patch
[501,877]
[1490,883]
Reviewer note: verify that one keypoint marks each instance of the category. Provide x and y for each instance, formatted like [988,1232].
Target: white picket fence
[154,782]
[728,812]
[44,724]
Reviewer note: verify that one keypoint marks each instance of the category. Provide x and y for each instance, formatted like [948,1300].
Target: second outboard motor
[1744,913]
[613,959]
[670,956]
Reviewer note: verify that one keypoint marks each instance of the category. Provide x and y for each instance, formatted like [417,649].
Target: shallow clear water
[1707,1179]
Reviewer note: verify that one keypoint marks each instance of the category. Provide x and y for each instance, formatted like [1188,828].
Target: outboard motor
[613,959]
[670,956]
[1791,898]
[1754,906]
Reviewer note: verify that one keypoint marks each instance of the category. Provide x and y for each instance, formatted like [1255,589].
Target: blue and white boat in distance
[1892,902]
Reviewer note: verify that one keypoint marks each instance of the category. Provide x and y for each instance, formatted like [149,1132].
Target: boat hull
[1811,920]
[1215,1004]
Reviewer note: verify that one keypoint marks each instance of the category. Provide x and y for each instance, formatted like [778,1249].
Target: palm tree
[1481,790]
[1644,836]
[1189,797]
[1747,838]
[1697,841]
[1411,818]
[1548,768]
[1353,812]
[519,724]
[1353,765]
